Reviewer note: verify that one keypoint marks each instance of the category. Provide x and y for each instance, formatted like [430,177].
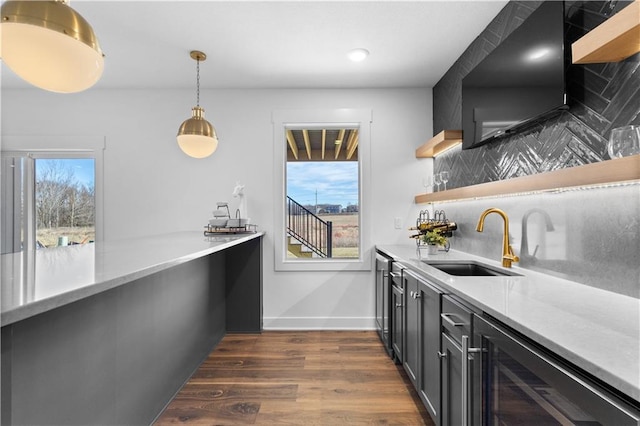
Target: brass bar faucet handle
[511,257]
[507,252]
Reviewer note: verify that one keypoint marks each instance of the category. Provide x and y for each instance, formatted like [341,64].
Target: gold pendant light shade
[197,137]
[50,45]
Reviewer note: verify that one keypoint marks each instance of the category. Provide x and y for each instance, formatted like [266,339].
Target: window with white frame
[48,200]
[321,160]
[50,197]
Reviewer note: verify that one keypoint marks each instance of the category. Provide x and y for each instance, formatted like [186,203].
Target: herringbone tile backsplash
[594,239]
[601,97]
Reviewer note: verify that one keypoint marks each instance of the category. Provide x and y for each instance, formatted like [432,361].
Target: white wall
[151,187]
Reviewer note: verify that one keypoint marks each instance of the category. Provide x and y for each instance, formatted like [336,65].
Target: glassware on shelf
[427,182]
[437,180]
[624,141]
[444,177]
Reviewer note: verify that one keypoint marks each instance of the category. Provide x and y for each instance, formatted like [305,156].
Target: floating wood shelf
[615,39]
[604,172]
[439,143]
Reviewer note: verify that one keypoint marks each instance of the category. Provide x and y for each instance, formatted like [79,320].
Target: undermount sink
[469,269]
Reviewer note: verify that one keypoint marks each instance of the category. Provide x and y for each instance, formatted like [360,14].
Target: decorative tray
[245,229]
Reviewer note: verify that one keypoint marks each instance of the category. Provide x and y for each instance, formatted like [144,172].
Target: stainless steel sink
[468,269]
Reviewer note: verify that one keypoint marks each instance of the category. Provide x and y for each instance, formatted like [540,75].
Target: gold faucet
[507,252]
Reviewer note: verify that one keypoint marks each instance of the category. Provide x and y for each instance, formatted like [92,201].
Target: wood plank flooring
[298,378]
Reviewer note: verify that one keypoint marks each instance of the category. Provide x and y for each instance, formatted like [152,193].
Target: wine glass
[437,180]
[444,177]
[427,182]
[624,141]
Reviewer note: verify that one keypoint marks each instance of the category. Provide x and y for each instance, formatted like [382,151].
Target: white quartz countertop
[595,329]
[58,276]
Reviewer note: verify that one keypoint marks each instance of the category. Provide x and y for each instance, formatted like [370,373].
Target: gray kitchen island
[107,333]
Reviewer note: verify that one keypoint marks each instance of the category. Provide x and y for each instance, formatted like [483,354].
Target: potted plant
[433,239]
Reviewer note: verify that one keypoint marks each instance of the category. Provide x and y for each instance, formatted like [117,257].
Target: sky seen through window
[335,182]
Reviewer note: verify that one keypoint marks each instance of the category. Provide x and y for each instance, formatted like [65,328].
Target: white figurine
[238,192]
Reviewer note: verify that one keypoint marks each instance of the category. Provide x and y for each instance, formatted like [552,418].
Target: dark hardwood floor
[298,378]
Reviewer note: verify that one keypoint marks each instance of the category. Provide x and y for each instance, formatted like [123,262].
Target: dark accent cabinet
[397,312]
[458,384]
[411,360]
[422,340]
[429,389]
[383,298]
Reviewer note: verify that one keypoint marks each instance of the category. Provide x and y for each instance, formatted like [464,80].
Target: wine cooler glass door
[525,386]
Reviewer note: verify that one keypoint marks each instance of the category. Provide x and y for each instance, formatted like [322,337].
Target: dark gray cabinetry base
[451,413]
[422,340]
[456,323]
[429,383]
[383,298]
[120,356]
[411,357]
[397,323]
[397,311]
[244,287]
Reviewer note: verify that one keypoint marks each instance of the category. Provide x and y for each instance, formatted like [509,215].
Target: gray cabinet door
[383,291]
[380,271]
[397,322]
[451,382]
[411,332]
[422,341]
[429,383]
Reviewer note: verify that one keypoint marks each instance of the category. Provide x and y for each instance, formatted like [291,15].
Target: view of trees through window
[64,201]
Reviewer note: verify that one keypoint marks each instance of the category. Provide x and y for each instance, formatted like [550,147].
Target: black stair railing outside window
[308,228]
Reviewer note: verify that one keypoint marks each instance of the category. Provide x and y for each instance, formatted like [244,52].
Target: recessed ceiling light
[358,55]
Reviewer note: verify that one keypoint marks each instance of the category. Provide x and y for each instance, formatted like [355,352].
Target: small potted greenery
[433,239]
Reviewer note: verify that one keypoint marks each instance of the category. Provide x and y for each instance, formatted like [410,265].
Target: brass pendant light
[197,137]
[49,45]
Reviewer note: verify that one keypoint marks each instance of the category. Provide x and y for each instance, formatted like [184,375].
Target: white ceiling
[283,44]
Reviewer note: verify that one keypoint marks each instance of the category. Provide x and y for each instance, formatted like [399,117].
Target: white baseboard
[319,323]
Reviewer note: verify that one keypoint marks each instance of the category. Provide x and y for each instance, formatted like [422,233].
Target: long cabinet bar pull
[447,318]
[394,275]
[465,380]
[466,350]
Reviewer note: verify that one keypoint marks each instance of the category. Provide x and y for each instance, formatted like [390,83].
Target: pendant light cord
[198,82]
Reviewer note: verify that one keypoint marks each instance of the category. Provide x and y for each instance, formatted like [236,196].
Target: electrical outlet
[397,222]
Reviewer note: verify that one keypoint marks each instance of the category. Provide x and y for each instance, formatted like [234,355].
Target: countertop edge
[35,308]
[617,381]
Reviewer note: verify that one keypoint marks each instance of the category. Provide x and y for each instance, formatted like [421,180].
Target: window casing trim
[321,118]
